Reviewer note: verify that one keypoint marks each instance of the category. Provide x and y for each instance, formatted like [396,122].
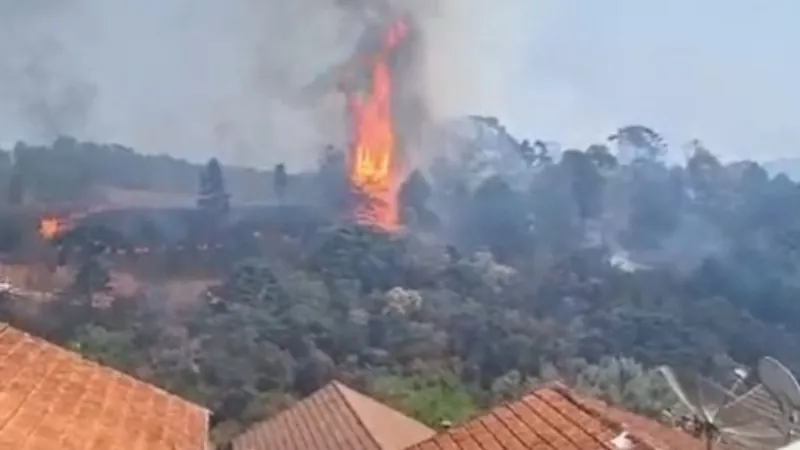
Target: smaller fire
[49,227]
[58,223]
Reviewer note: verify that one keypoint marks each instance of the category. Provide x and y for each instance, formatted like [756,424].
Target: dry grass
[129,198]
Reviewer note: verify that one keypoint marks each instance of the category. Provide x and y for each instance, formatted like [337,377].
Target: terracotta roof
[555,418]
[51,398]
[335,418]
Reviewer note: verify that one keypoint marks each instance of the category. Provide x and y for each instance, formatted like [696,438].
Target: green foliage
[432,399]
[415,192]
[623,381]
[113,348]
[522,284]
[585,180]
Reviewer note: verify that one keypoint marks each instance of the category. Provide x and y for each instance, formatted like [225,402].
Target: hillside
[579,266]
[69,169]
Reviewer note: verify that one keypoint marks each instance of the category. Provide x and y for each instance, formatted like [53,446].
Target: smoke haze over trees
[565,240]
[88,68]
[588,265]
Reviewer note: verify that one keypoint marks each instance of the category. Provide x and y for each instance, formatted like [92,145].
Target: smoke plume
[190,78]
[201,78]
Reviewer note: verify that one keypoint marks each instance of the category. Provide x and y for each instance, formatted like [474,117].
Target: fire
[57,223]
[373,159]
[49,227]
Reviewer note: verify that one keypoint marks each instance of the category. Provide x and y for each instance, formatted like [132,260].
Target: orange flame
[373,154]
[54,224]
[49,227]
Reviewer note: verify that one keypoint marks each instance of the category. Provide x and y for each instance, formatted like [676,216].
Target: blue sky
[205,77]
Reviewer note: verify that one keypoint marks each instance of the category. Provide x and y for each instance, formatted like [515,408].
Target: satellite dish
[784,388]
[718,416]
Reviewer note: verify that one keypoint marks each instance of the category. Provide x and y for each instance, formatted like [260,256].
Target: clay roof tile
[334,418]
[52,398]
[554,417]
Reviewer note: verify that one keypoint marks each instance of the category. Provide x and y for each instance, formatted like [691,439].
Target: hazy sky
[208,77]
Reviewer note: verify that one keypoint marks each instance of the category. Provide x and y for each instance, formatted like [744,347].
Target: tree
[705,174]
[432,399]
[16,189]
[213,198]
[623,381]
[111,348]
[495,217]
[414,195]
[586,180]
[331,183]
[535,154]
[93,277]
[281,180]
[314,369]
[639,143]
[694,261]
[655,200]
[602,158]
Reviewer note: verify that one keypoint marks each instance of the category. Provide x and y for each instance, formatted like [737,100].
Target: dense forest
[591,266]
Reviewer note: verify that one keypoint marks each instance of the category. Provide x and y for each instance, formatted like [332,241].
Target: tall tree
[213,198]
[332,184]
[587,182]
[16,188]
[638,142]
[705,173]
[495,217]
[414,195]
[92,277]
[281,180]
[602,157]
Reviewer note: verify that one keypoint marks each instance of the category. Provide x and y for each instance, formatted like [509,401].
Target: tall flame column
[373,157]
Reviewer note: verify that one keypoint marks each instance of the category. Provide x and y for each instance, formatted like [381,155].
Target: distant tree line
[68,169]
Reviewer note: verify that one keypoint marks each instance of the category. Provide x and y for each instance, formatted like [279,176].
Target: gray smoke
[191,78]
[40,84]
[201,78]
[198,78]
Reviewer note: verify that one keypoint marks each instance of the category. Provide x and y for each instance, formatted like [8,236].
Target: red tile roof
[555,418]
[51,398]
[335,418]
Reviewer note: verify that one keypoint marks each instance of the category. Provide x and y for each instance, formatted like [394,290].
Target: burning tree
[373,159]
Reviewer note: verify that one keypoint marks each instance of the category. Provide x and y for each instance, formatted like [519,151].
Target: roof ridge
[619,426]
[338,386]
[571,396]
[59,379]
[608,421]
[558,386]
[538,395]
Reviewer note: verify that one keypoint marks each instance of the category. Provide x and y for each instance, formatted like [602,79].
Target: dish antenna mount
[718,415]
[784,389]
